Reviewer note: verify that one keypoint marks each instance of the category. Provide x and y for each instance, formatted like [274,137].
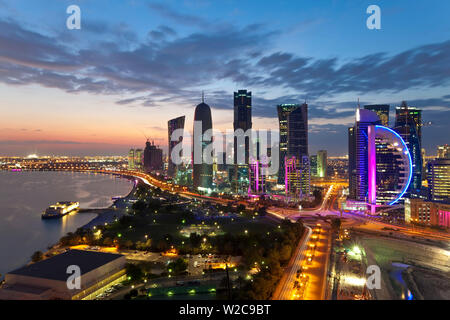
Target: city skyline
[60,98]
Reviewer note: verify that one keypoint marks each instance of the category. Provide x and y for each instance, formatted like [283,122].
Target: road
[284,290]
[317,270]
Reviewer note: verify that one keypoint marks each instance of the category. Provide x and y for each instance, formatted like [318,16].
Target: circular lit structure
[389,166]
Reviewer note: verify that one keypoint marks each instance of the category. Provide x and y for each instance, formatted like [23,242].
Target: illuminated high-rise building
[153,157]
[131,159]
[358,154]
[313,165]
[443,152]
[293,123]
[242,120]
[174,124]
[439,179]
[322,163]
[380,165]
[297,177]
[257,177]
[382,111]
[138,159]
[352,172]
[408,123]
[202,174]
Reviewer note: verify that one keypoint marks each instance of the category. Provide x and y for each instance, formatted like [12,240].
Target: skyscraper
[408,123]
[202,171]
[358,154]
[131,159]
[153,157]
[297,177]
[174,124]
[138,159]
[293,123]
[439,180]
[257,178]
[242,120]
[313,165]
[382,111]
[352,173]
[443,152]
[322,163]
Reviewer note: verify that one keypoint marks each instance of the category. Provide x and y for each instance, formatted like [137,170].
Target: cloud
[168,68]
[186,19]
[424,66]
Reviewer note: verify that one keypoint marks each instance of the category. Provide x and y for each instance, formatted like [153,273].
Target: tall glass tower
[174,124]
[358,154]
[203,171]
[242,120]
[408,123]
[293,122]
[382,111]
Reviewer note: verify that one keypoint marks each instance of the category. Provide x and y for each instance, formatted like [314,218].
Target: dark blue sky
[144,62]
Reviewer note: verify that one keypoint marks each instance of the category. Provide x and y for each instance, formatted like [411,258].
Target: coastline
[107,214]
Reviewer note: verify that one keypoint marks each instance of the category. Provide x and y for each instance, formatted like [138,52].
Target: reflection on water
[396,274]
[23,197]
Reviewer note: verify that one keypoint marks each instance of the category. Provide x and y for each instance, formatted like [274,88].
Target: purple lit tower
[380,166]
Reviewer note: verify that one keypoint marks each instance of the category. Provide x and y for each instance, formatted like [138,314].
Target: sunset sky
[135,64]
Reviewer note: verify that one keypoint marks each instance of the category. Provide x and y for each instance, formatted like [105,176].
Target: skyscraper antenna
[203,96]
[357,112]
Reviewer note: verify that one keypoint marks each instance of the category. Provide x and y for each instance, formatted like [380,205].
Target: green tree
[139,207]
[37,256]
[195,239]
[134,272]
[336,224]
[107,242]
[177,267]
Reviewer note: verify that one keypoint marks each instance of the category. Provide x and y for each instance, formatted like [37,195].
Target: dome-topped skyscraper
[202,171]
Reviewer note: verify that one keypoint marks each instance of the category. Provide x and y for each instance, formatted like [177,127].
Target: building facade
[153,157]
[47,279]
[297,178]
[358,154]
[408,123]
[439,179]
[313,165]
[242,120]
[443,152]
[382,111]
[427,212]
[293,125]
[322,163]
[174,124]
[202,173]
[131,159]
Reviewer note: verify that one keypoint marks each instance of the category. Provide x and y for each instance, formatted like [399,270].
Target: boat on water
[60,209]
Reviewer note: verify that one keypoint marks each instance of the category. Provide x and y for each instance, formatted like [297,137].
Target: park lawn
[158,225]
[155,226]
